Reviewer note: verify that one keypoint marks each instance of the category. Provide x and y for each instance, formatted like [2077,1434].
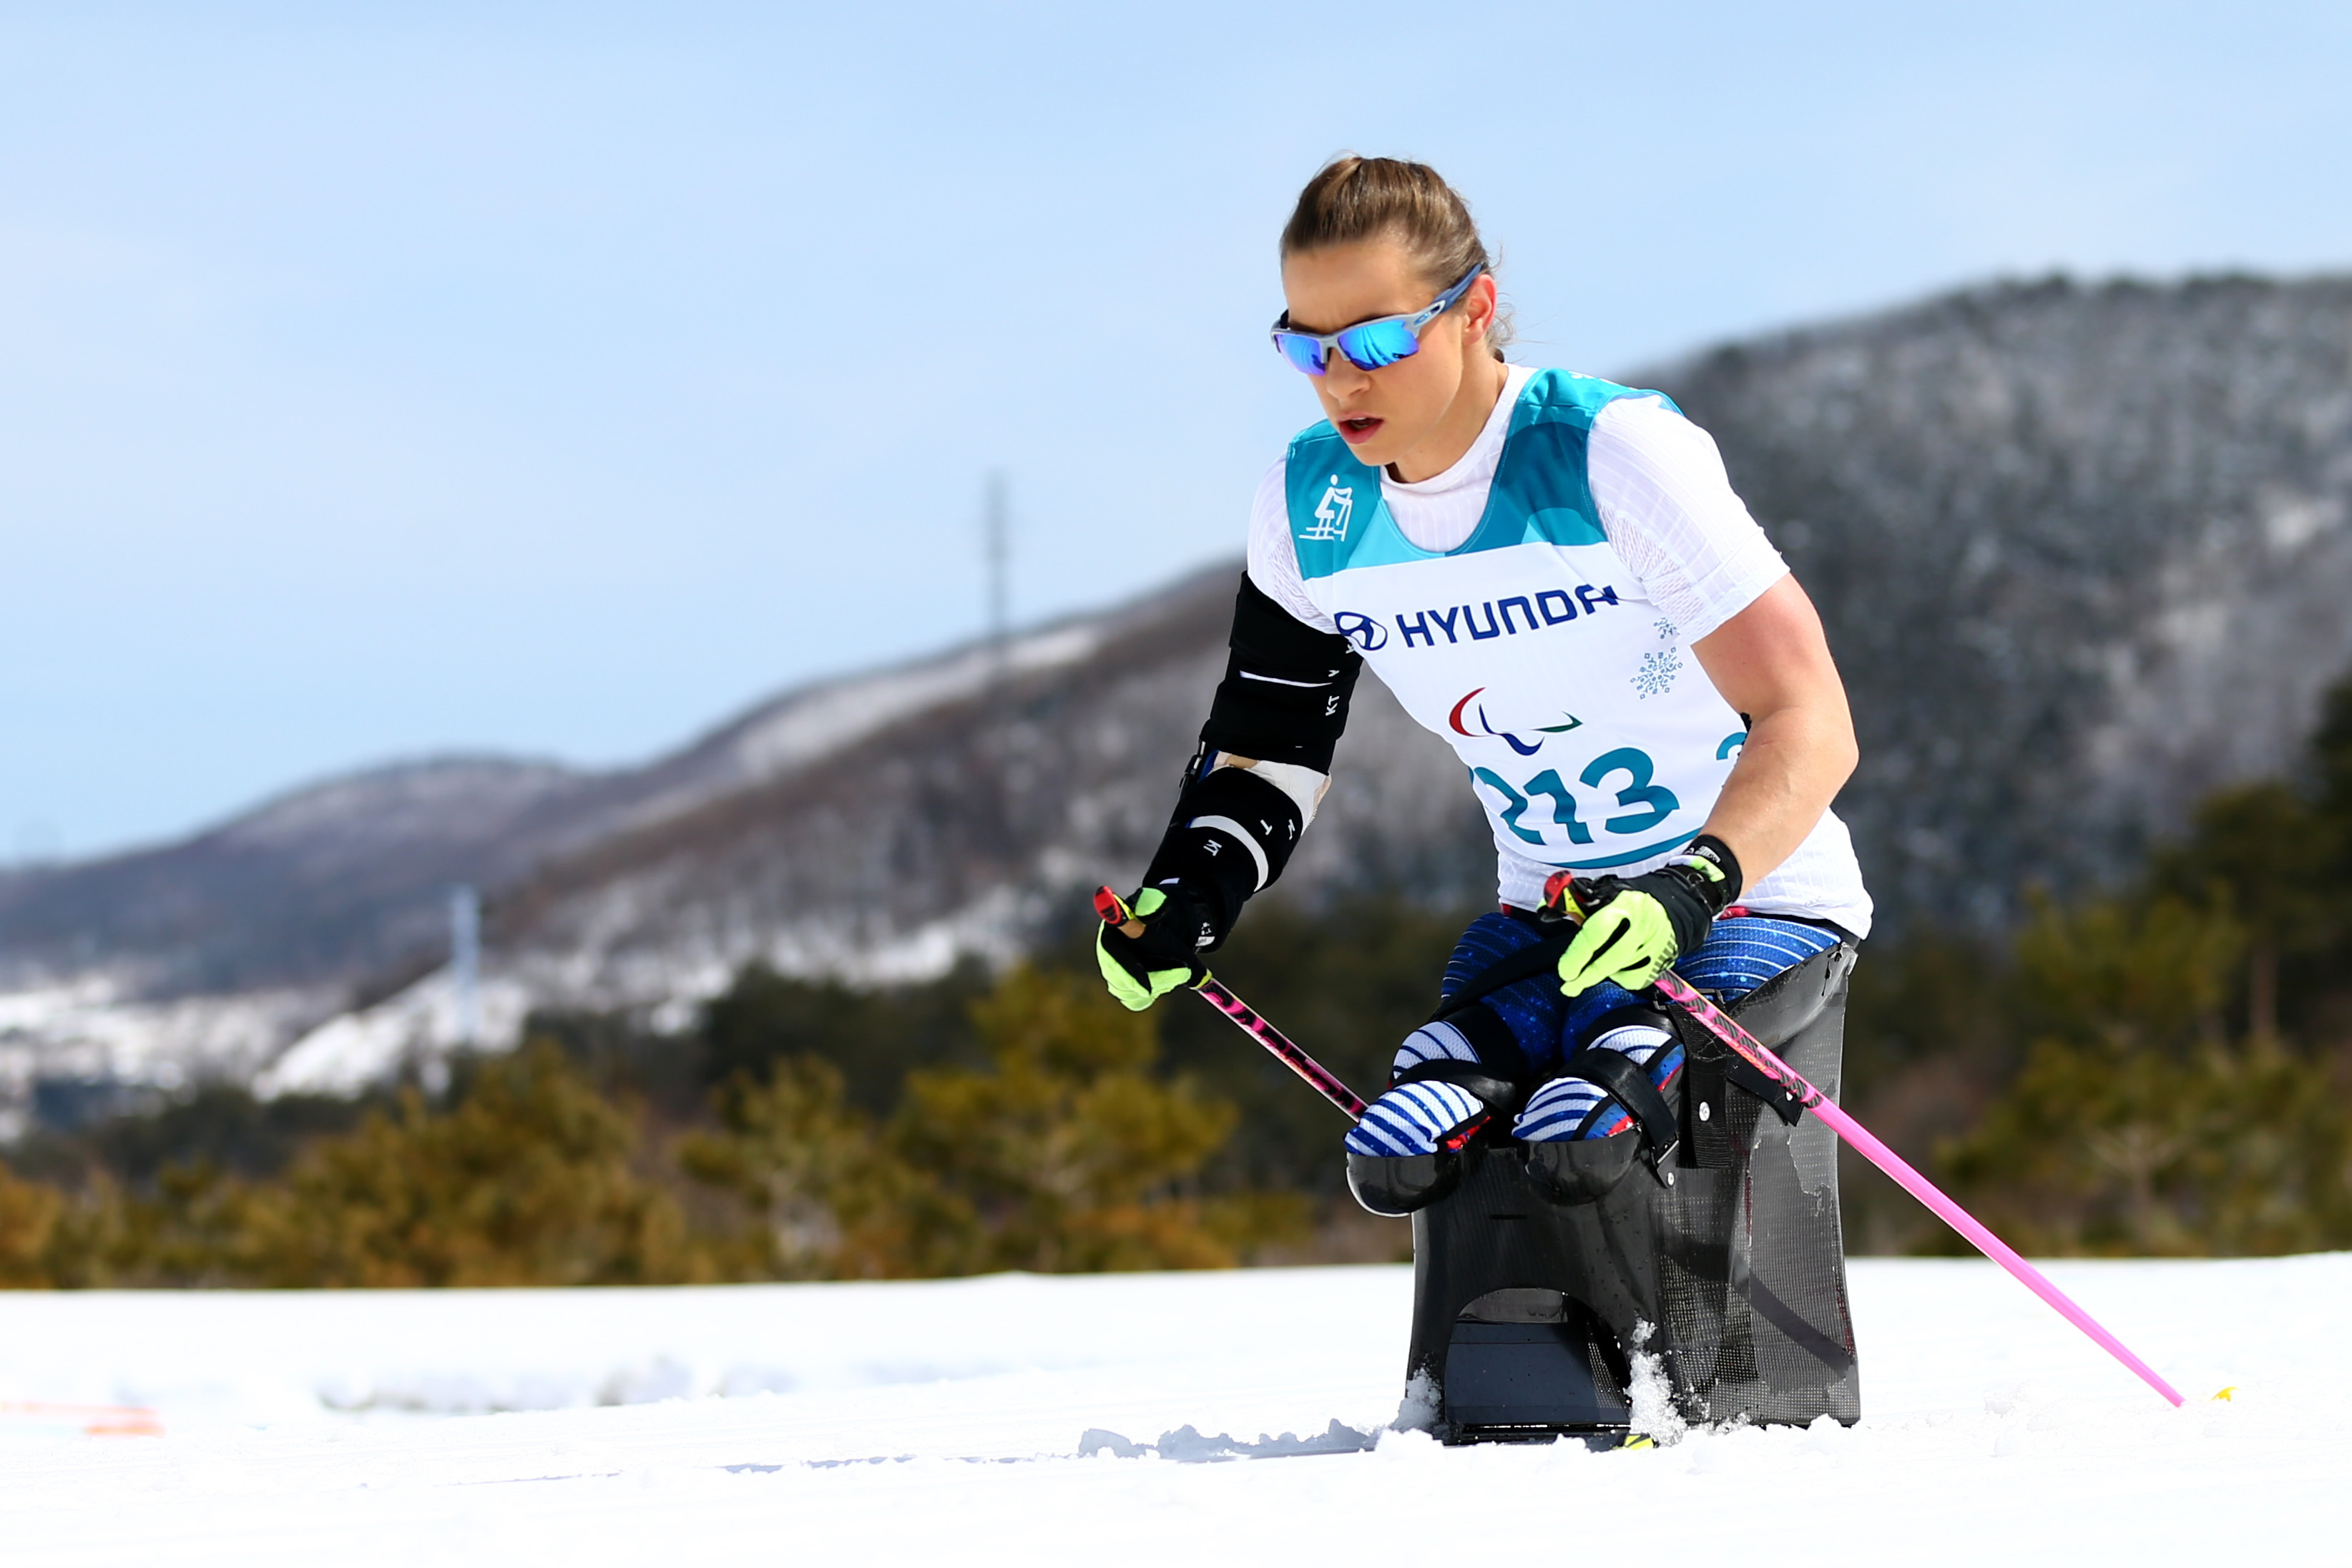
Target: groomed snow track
[937,1422]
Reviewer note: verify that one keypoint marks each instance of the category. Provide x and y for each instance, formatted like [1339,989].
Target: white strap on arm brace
[1302,785]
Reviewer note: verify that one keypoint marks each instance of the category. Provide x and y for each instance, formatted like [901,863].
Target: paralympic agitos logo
[1454,721]
[1483,622]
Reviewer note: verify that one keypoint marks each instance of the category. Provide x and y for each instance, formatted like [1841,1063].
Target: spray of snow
[1655,1416]
[1419,1409]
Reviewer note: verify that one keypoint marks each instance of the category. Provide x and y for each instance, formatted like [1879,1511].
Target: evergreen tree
[830,1201]
[1064,1155]
[531,1178]
[28,1219]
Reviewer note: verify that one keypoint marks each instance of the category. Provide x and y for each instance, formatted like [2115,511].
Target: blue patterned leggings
[1741,953]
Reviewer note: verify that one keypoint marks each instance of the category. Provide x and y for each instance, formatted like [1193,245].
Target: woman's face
[1417,406]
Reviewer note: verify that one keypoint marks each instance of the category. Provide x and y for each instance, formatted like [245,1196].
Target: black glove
[1140,970]
[1633,928]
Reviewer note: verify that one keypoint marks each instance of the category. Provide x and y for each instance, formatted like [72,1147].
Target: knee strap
[1500,1094]
[1630,1085]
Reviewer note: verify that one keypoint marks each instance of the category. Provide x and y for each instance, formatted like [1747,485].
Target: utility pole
[997,550]
[466,964]
[989,756]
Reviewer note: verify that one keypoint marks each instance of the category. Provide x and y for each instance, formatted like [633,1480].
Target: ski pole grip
[1112,911]
[1567,897]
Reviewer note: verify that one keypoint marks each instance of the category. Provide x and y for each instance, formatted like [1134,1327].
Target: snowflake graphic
[1657,673]
[1667,630]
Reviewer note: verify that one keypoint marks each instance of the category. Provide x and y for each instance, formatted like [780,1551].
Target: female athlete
[1552,573]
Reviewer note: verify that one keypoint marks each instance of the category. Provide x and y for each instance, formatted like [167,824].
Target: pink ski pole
[1716,1023]
[1114,911]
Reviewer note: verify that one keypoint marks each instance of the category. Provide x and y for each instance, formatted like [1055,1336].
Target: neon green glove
[1140,970]
[1635,930]
[1629,939]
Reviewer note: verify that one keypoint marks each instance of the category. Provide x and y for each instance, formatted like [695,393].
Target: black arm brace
[1284,700]
[1285,695]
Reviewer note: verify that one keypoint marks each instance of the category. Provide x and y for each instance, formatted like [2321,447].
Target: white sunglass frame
[1327,343]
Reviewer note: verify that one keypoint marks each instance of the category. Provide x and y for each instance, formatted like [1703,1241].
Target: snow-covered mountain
[211,955]
[2082,553]
[2080,550]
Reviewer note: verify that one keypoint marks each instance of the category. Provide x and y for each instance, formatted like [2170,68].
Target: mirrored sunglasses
[1368,345]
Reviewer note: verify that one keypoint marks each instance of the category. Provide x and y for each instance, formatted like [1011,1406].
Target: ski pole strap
[1630,1084]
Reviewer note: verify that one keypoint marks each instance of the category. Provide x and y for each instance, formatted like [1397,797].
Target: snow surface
[943,1422]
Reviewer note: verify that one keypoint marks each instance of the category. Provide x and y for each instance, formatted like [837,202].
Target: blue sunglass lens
[1303,352]
[1377,344]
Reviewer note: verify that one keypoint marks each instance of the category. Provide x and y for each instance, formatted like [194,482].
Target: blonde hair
[1352,199]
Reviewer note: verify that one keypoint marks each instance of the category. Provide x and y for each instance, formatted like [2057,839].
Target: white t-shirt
[1665,503]
[1671,517]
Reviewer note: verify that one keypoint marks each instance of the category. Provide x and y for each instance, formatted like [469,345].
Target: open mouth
[1361,427]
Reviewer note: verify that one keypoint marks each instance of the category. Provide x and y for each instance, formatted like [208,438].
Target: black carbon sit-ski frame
[1527,1310]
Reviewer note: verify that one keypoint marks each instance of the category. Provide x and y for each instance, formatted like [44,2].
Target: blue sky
[379,380]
